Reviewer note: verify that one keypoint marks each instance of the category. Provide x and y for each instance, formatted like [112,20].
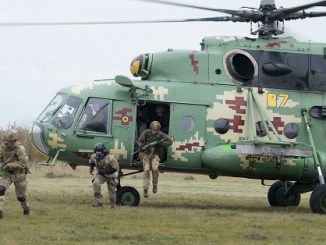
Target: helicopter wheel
[276,195]
[128,196]
[318,199]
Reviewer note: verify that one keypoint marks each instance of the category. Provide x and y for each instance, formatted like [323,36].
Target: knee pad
[2,190]
[21,199]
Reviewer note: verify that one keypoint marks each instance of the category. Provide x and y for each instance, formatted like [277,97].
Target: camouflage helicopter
[240,107]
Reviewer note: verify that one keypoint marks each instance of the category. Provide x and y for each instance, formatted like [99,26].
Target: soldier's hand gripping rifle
[154,143]
[3,165]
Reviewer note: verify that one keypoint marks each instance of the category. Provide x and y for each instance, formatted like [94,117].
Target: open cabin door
[187,127]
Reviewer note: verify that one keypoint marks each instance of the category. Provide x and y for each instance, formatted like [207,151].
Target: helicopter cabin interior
[145,115]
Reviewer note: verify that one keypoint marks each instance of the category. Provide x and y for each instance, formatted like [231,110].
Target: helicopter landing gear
[276,195]
[128,196]
[318,199]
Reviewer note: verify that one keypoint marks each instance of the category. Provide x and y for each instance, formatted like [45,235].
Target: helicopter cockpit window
[95,116]
[52,108]
[65,117]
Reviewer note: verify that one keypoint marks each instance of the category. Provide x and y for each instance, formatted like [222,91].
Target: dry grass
[186,210]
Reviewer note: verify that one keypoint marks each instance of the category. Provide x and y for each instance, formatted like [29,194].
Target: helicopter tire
[128,196]
[318,199]
[276,195]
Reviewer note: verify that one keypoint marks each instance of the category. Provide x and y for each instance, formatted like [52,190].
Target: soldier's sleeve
[142,138]
[22,158]
[1,155]
[167,141]
[92,160]
[113,162]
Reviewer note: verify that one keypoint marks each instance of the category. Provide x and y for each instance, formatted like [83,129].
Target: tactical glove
[9,167]
[159,143]
[142,148]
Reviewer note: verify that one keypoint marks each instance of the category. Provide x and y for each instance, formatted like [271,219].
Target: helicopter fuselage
[218,100]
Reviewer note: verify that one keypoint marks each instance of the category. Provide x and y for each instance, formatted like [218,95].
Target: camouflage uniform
[112,179]
[15,167]
[151,155]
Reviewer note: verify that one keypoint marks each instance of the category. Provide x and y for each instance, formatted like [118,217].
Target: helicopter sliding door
[187,127]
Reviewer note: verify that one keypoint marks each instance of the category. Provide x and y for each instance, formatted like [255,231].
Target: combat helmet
[10,139]
[155,125]
[100,147]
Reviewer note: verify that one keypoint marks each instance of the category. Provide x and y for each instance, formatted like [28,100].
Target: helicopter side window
[65,117]
[95,116]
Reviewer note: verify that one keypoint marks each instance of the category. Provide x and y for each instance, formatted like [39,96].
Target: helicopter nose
[36,134]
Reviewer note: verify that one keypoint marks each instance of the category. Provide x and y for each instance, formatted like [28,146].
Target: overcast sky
[37,61]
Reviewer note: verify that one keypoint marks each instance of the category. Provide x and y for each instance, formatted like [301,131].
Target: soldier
[107,171]
[15,167]
[163,117]
[152,142]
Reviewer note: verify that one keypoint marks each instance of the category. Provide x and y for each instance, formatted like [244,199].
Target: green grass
[198,211]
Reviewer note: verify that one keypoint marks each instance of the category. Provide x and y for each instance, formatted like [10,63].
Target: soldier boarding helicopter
[241,107]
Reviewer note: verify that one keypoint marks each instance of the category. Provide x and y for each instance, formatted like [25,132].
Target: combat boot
[26,211]
[145,193]
[154,188]
[112,203]
[97,205]
[1,214]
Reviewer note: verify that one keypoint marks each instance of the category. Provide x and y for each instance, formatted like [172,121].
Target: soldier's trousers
[150,163]
[20,183]
[98,181]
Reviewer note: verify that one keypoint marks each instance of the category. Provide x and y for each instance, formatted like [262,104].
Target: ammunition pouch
[107,170]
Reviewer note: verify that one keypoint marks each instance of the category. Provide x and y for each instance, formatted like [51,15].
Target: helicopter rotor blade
[214,19]
[283,12]
[303,15]
[252,13]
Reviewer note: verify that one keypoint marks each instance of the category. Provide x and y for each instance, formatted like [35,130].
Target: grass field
[188,209]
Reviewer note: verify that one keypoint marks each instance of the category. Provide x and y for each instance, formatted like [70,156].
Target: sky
[37,61]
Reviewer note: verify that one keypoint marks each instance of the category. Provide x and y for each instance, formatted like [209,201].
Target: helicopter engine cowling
[191,66]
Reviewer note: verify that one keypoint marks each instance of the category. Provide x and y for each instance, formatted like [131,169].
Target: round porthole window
[187,123]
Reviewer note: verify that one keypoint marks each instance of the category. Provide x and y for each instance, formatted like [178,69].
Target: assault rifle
[154,143]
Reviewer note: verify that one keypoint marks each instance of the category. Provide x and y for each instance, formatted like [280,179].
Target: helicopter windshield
[52,107]
[65,116]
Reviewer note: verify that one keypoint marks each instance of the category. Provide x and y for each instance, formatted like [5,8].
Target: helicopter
[249,107]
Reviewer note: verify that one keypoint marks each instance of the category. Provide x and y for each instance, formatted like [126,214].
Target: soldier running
[14,166]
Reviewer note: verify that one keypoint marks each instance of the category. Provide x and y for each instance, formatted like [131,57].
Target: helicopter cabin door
[123,131]
[187,127]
